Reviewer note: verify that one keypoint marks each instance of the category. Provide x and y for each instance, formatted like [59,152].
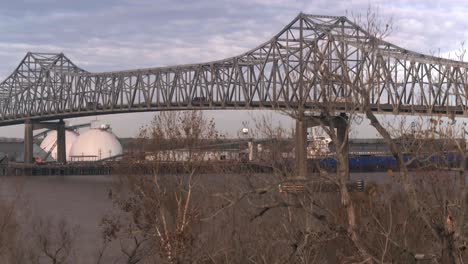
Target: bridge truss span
[313,63]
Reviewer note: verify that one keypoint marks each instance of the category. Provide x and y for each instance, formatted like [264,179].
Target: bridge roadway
[316,63]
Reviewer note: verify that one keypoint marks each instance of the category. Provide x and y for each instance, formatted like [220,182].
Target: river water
[81,201]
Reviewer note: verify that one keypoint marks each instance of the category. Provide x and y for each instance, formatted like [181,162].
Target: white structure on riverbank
[98,143]
[49,143]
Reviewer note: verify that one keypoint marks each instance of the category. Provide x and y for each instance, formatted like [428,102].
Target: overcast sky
[104,35]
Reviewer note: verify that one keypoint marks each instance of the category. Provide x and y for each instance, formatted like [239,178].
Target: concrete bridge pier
[301,149]
[341,126]
[28,142]
[61,148]
[340,123]
[30,126]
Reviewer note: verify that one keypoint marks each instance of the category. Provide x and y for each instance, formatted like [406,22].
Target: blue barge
[384,162]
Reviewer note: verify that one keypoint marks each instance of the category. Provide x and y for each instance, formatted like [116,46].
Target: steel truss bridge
[290,70]
[312,64]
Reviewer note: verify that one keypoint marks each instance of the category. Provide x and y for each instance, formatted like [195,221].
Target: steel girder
[314,62]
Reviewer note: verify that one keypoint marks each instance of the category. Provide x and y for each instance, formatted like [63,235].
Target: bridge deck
[318,63]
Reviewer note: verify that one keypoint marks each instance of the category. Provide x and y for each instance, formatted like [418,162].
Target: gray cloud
[124,34]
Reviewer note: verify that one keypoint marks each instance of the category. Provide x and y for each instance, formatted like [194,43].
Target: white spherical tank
[95,144]
[49,144]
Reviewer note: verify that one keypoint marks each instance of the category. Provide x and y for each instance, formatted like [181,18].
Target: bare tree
[440,234]
[12,247]
[52,241]
[174,215]
[9,230]
[160,208]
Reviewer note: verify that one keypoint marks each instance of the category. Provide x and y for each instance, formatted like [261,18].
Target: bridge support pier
[30,126]
[28,142]
[61,149]
[301,149]
[340,123]
[343,140]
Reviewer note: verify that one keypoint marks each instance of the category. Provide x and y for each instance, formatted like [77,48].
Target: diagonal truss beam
[312,62]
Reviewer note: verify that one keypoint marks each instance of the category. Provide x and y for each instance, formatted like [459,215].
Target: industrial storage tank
[97,143]
[49,144]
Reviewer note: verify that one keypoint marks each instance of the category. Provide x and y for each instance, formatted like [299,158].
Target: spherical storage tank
[95,144]
[49,144]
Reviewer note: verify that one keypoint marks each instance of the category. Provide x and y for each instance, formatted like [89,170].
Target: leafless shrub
[160,209]
[52,241]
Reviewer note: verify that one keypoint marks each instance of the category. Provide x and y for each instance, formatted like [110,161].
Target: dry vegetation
[188,216]
[191,217]
[222,218]
[28,239]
